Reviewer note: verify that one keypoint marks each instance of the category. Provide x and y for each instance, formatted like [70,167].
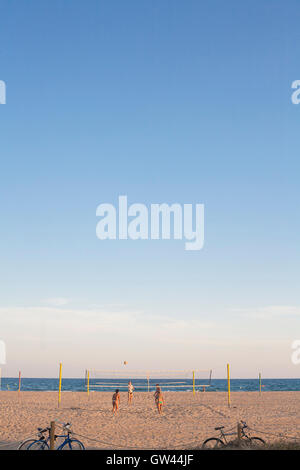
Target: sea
[101,385]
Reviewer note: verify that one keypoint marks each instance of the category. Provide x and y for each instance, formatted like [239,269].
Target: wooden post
[19,381]
[260,383]
[52,435]
[194,382]
[59,384]
[228,384]
[239,433]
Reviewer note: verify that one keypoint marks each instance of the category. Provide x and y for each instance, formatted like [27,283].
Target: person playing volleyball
[130,392]
[160,402]
[159,399]
[157,390]
[116,401]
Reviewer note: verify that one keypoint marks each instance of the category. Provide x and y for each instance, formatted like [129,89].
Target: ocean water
[100,385]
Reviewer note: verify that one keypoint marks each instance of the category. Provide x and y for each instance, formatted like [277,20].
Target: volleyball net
[146,380]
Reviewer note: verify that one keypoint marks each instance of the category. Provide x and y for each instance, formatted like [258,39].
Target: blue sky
[164,101]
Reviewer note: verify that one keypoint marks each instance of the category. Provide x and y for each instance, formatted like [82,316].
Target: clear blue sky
[165,101]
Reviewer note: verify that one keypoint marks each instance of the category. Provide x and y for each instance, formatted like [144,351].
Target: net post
[228,384]
[193,382]
[59,384]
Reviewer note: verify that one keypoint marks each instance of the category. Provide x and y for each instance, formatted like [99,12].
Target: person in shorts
[116,401]
[130,392]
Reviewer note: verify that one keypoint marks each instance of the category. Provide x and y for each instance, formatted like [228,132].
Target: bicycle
[69,443]
[221,441]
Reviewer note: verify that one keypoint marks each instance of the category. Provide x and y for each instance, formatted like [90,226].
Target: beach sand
[186,422]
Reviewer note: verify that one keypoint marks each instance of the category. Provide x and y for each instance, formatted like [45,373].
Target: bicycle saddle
[220,427]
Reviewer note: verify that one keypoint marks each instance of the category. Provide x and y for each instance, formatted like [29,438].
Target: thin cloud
[77,322]
[269,311]
[56,301]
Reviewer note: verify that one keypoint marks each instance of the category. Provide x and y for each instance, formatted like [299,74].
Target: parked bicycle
[221,441]
[43,443]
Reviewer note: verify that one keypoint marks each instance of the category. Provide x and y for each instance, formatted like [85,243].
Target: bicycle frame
[223,435]
[243,434]
[67,439]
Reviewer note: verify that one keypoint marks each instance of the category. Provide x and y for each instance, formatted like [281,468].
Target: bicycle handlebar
[67,427]
[42,431]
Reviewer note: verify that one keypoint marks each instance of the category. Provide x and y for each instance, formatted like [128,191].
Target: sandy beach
[186,422]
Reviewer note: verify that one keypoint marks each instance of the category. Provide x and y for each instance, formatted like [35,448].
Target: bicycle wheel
[213,443]
[38,445]
[72,444]
[25,444]
[256,442]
